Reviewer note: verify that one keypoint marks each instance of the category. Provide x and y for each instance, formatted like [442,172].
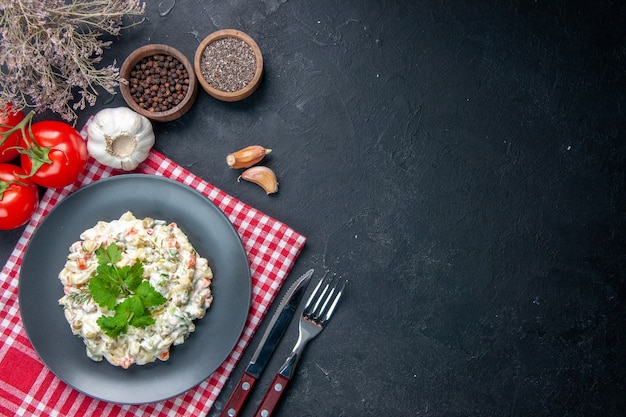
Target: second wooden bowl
[250,87]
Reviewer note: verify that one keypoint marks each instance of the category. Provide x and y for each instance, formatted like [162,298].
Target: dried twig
[50,51]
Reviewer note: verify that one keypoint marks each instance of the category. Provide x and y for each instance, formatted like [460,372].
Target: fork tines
[324,299]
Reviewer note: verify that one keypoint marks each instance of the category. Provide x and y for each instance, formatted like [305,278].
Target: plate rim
[130,177]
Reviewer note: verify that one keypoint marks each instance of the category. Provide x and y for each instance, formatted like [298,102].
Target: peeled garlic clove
[247,157]
[262,176]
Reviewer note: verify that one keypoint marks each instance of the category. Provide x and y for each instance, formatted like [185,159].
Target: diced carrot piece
[82,263]
[191,262]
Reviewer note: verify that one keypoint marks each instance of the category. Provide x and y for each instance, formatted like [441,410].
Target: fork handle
[272,396]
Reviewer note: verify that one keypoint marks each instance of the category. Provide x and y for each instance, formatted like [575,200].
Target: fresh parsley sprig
[122,290]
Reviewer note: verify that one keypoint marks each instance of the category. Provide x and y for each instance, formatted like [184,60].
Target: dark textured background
[462,165]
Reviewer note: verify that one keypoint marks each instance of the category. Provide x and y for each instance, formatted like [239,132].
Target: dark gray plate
[209,231]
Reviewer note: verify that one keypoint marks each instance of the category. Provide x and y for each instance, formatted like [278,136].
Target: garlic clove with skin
[262,176]
[247,156]
[120,138]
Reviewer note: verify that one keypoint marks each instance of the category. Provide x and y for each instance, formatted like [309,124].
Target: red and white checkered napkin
[28,388]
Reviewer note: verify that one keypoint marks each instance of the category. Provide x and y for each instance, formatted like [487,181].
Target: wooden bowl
[173,111]
[250,87]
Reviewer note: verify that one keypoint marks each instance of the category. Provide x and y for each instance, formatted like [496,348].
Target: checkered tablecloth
[28,388]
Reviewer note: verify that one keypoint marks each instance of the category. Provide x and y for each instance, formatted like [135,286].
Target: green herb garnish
[79,297]
[122,290]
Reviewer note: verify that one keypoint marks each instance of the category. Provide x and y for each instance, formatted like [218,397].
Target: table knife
[275,331]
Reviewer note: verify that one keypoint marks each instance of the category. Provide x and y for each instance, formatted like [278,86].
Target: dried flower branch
[50,50]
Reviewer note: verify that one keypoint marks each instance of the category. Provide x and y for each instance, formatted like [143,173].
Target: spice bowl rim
[258,72]
[158,49]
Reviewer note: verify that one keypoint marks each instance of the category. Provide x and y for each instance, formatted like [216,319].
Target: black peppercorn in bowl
[159,82]
[229,65]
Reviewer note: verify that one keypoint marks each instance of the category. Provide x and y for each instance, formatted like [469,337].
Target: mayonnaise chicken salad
[133,328]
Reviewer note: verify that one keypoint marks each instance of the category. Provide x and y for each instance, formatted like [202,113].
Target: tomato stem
[12,129]
[4,185]
[20,126]
[38,155]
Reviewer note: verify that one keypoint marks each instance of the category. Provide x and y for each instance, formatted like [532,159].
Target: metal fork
[317,311]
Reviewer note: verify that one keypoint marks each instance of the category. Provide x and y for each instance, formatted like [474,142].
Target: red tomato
[18,197]
[57,156]
[8,145]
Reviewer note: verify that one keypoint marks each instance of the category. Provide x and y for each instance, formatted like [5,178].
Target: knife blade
[274,332]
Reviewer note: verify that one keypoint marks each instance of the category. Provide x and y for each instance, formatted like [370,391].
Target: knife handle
[272,396]
[239,395]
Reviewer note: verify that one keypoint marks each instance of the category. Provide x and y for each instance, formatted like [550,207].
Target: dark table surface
[462,164]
